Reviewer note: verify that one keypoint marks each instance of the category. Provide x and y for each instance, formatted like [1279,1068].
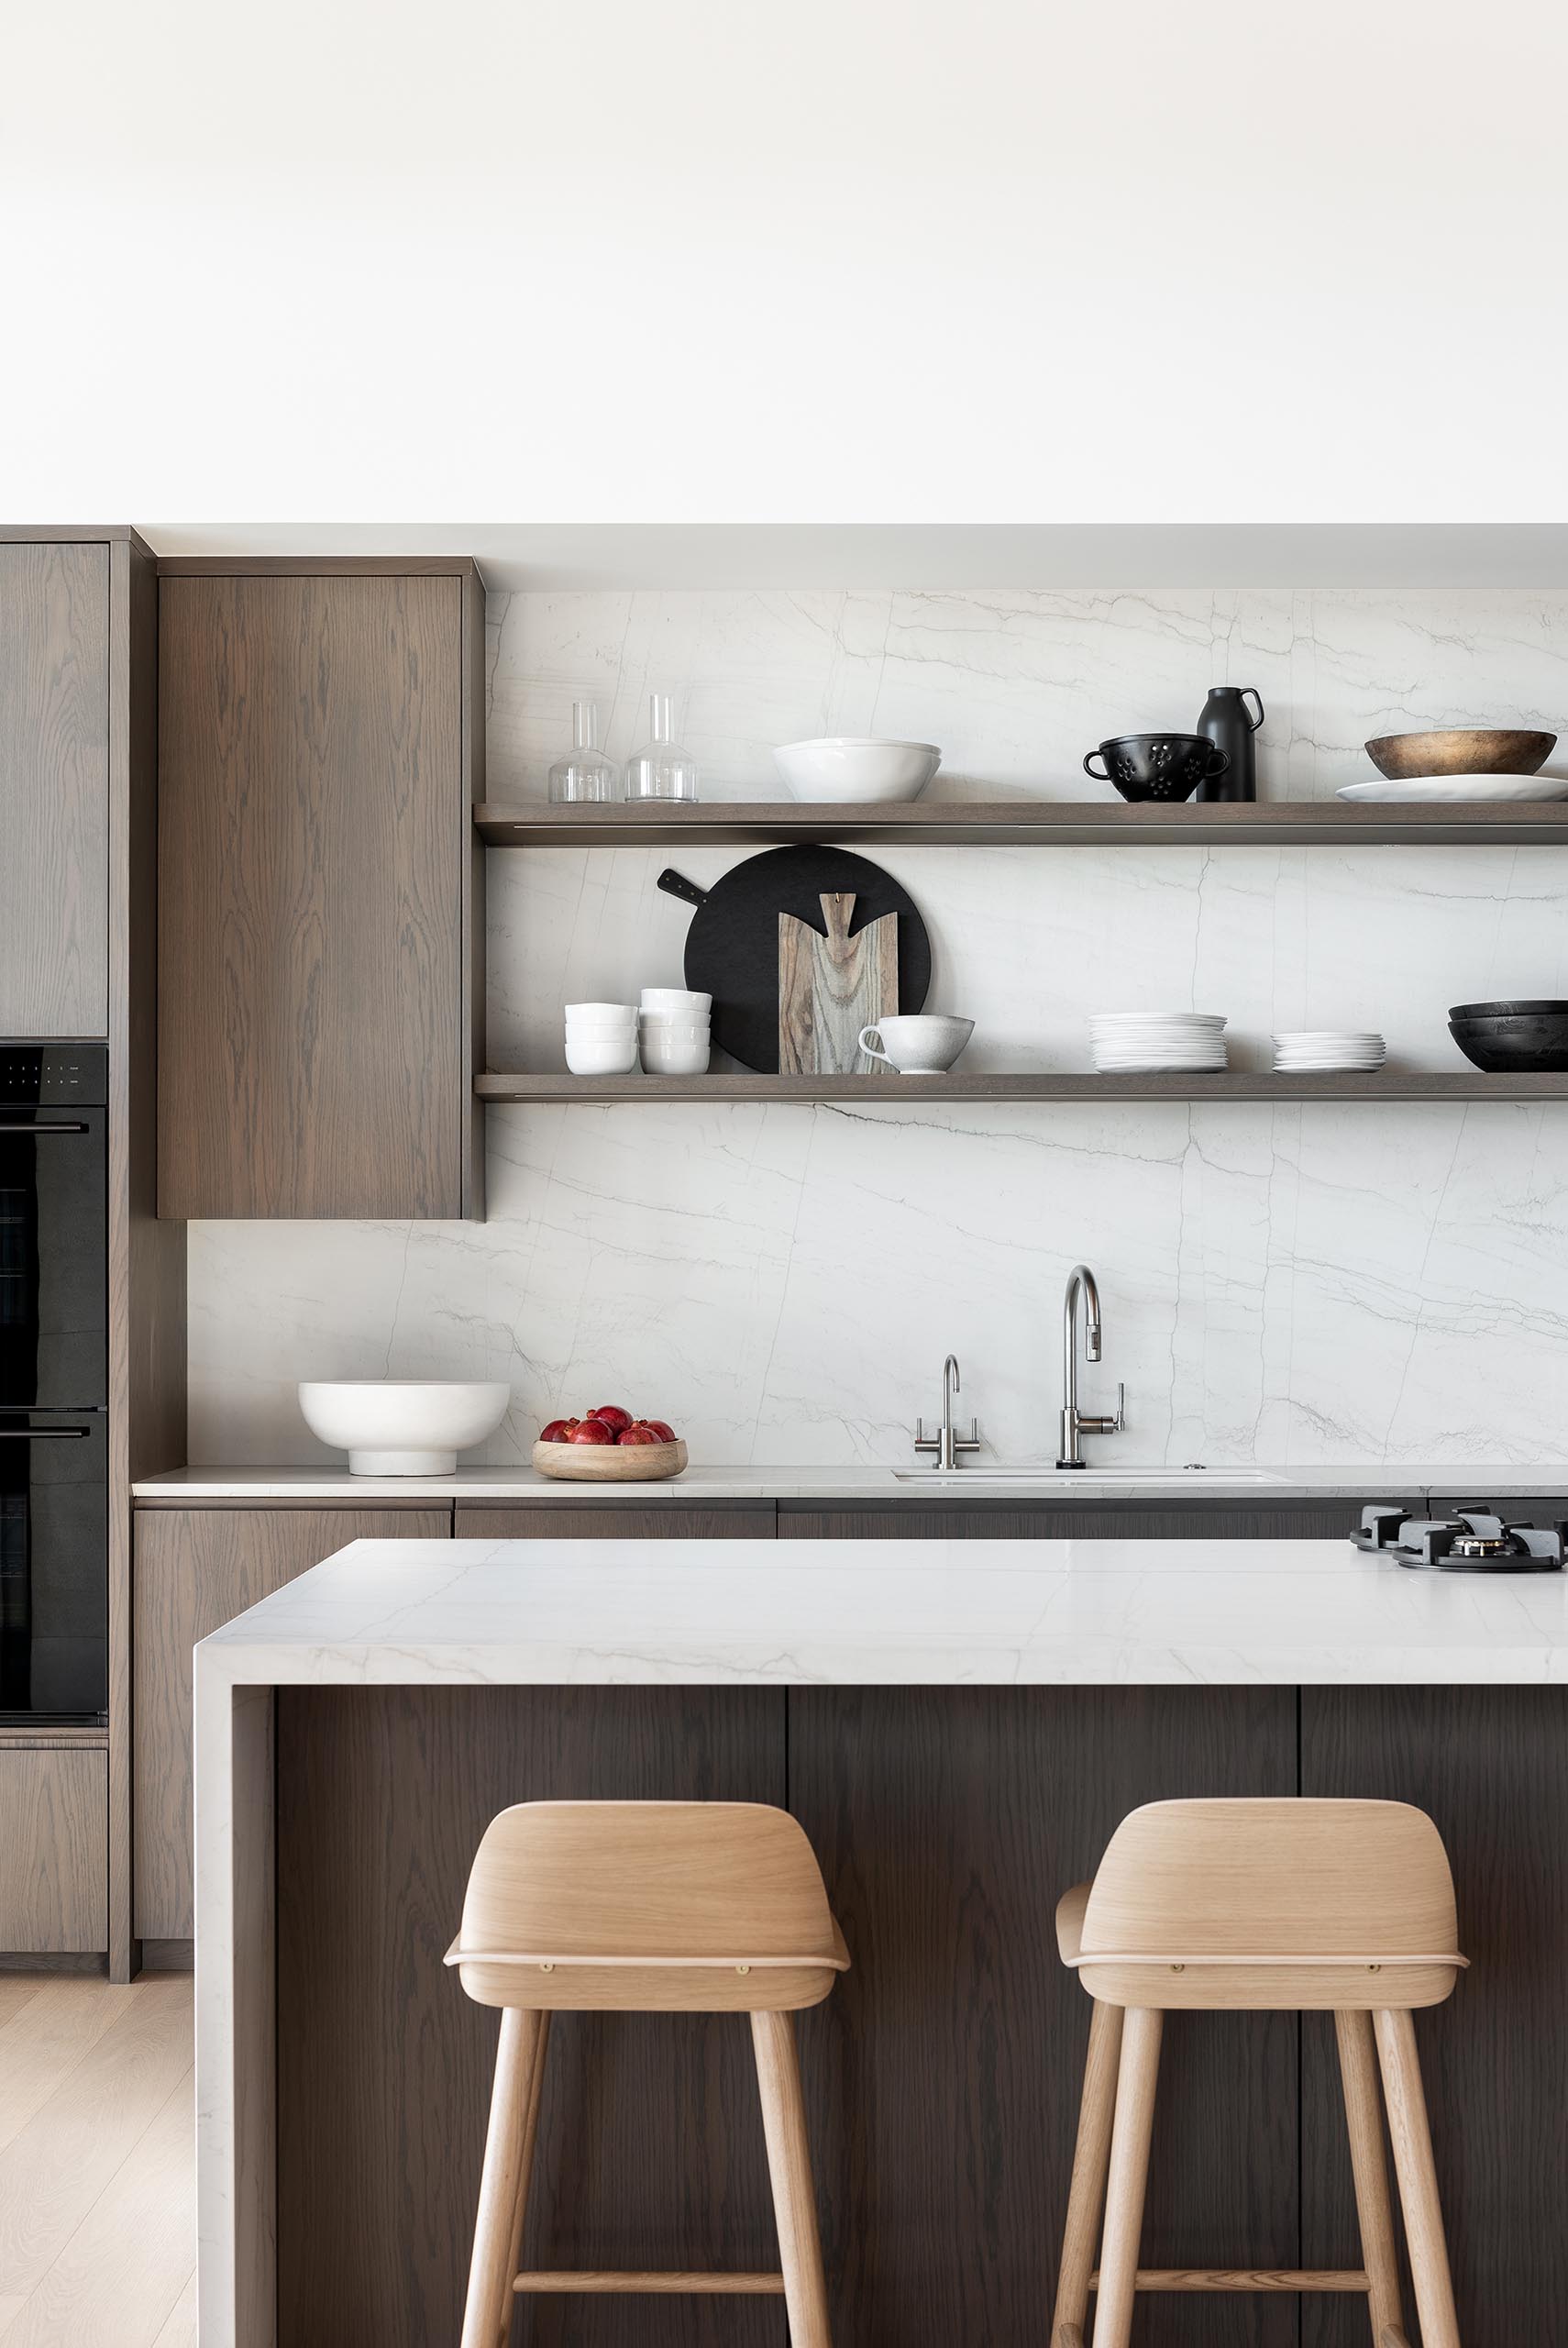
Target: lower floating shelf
[1391,1085]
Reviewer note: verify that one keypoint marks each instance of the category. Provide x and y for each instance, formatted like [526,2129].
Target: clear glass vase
[660,770]
[585,776]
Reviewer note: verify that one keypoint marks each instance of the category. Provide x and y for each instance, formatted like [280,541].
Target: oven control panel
[46,1076]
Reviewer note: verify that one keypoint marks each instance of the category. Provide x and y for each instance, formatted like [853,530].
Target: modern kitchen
[1044,1105]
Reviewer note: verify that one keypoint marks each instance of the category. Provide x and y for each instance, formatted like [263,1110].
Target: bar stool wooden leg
[503,2184]
[789,2167]
[1091,2159]
[1136,2077]
[1363,2123]
[1412,2144]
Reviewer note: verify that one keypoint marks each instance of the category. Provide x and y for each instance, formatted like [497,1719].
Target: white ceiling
[827,555]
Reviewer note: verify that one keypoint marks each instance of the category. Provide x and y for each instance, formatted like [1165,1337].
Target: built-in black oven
[54,1383]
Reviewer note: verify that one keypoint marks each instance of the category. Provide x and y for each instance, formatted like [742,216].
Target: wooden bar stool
[643,1908]
[1283,1906]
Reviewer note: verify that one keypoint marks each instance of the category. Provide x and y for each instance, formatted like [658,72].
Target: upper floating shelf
[1025,822]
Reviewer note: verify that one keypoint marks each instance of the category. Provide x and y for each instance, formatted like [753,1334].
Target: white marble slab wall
[1295,1285]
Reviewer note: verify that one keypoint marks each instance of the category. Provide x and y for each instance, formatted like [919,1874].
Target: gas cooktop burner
[1473,1540]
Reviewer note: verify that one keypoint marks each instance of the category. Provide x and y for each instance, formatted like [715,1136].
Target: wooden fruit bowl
[610,1463]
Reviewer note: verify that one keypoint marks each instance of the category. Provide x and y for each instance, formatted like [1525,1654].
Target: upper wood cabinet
[320,744]
[55,789]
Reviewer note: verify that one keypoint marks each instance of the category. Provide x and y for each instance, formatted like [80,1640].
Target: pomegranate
[638,1434]
[617,1420]
[558,1431]
[592,1431]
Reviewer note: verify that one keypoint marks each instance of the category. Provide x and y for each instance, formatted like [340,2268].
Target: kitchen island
[958,1728]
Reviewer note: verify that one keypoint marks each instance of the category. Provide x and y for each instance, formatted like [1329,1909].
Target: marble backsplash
[1333,1283]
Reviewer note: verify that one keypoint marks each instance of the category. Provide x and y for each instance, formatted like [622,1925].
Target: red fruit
[638,1434]
[590,1431]
[558,1431]
[661,1427]
[613,1416]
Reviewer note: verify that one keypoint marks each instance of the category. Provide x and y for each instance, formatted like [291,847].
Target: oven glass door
[54,1530]
[53,1259]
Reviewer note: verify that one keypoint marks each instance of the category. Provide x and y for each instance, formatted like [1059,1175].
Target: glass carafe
[585,774]
[660,770]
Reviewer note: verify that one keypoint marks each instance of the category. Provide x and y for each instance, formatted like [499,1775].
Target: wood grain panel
[650,2150]
[54,1850]
[1384,1087]
[194,1570]
[54,790]
[1490,1765]
[311,951]
[943,2076]
[478,1522]
[1089,1521]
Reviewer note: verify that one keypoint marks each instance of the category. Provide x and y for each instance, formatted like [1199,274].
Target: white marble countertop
[1068,1612]
[1104,1478]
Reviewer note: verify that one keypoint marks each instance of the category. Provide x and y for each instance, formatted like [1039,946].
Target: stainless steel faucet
[1074,1421]
[946,1443]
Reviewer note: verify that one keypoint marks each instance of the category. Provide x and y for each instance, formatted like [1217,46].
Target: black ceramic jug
[1226,719]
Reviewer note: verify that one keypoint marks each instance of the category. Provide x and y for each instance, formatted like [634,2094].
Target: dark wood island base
[942,2077]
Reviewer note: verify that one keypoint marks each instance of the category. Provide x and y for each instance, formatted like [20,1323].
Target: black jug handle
[1258,720]
[1090,769]
[1219,762]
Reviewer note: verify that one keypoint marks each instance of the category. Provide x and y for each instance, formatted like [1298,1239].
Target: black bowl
[1513,1039]
[1158,766]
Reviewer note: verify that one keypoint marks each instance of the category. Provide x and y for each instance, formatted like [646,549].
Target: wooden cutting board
[831,987]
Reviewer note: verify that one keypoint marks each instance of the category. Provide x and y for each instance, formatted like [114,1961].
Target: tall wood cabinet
[320,746]
[55,789]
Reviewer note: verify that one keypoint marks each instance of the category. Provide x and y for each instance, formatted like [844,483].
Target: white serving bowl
[664,999]
[845,769]
[678,1055]
[602,1052]
[393,1426]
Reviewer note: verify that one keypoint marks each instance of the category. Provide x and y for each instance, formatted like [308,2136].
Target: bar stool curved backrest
[646,1907]
[1277,1905]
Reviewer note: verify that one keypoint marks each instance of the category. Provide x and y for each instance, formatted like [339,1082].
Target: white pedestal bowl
[404,1427]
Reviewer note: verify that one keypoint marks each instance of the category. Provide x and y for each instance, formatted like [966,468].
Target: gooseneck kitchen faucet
[1074,1421]
[946,1442]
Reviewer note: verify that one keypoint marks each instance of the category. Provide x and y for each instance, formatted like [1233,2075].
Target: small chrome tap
[946,1443]
[1074,1421]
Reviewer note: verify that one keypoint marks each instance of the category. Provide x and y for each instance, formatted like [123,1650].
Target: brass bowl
[1461,749]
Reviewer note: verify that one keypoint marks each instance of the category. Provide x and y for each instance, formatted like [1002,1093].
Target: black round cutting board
[731,946]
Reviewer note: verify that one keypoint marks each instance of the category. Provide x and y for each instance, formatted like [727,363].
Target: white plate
[1124,1020]
[1437,788]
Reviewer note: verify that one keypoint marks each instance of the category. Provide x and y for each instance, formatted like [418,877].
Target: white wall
[340,259]
[1340,1283]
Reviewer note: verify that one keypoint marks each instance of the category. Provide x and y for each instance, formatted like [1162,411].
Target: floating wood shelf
[1388,1085]
[1025,822]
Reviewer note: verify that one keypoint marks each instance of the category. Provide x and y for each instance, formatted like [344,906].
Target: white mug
[921,1044]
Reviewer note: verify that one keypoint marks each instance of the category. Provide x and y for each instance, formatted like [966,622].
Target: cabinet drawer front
[54,1852]
[195,1569]
[626,1523]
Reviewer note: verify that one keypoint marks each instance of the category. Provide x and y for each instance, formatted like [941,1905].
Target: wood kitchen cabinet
[54,1862]
[320,919]
[194,1569]
[55,789]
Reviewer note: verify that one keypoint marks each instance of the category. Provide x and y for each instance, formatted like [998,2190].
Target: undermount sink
[1063,1479]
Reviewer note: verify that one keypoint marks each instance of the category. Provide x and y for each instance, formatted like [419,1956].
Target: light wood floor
[97,2163]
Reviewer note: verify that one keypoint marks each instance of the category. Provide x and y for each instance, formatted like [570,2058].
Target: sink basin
[1066,1478]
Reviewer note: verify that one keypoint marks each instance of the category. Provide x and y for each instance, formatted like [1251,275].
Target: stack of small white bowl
[1307,1051]
[1144,1042]
[601,1038]
[674,1031]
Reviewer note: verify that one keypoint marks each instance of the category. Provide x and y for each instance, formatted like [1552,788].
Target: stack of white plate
[1306,1050]
[1132,1041]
